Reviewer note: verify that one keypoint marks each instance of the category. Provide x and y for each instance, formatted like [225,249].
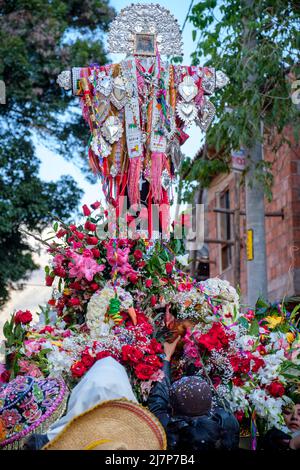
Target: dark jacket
[218,429]
[275,439]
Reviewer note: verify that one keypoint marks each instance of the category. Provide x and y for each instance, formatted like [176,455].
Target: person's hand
[295,443]
[169,348]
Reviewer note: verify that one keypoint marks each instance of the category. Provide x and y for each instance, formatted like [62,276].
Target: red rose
[75,285]
[74,301]
[95,205]
[52,302]
[258,363]
[133,278]
[46,329]
[92,240]
[49,280]
[169,268]
[102,355]
[131,354]
[276,389]
[87,360]
[86,211]
[5,376]
[144,371]
[90,226]
[94,286]
[78,369]
[80,235]
[61,233]
[153,361]
[148,283]
[96,252]
[60,272]
[153,300]
[138,255]
[141,264]
[237,381]
[261,349]
[239,415]
[146,328]
[23,317]
[155,347]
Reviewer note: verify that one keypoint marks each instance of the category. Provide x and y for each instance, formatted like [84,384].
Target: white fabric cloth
[106,380]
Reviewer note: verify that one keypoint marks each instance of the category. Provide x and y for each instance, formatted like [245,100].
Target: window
[225,231]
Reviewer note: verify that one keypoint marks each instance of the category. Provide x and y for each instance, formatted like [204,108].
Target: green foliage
[201,170]
[261,77]
[38,40]
[26,201]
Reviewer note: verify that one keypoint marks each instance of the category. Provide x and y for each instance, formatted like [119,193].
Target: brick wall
[282,236]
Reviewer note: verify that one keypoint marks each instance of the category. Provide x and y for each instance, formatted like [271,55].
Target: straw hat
[112,425]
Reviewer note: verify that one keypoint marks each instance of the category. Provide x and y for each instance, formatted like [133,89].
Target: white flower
[183,259]
[98,306]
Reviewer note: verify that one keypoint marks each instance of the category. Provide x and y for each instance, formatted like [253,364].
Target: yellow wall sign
[250,250]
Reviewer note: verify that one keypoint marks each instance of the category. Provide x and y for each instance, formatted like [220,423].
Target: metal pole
[237,232]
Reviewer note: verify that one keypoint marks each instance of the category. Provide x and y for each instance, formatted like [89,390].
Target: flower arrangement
[250,363]
[101,286]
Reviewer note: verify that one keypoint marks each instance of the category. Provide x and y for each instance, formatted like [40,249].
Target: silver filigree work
[206,115]
[221,79]
[187,112]
[100,147]
[166,180]
[121,92]
[141,18]
[64,80]
[187,89]
[209,80]
[112,129]
[104,84]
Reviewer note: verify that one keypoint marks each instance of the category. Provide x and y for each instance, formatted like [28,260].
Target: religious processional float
[123,296]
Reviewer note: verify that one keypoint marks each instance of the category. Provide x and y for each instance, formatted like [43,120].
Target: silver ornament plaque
[187,112]
[136,21]
[187,89]
[206,115]
[112,129]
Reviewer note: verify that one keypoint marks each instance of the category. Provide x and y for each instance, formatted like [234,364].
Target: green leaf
[254,328]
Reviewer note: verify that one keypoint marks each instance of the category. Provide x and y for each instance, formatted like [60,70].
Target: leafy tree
[255,43]
[26,202]
[40,38]
[271,62]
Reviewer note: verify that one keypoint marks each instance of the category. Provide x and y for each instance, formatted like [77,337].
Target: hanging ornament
[187,112]
[187,89]
[206,115]
[209,80]
[166,180]
[112,129]
[100,147]
[121,92]
[104,84]
[102,108]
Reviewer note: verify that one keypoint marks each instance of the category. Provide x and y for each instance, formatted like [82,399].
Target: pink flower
[84,267]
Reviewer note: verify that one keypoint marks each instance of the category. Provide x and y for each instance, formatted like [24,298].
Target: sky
[54,166]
